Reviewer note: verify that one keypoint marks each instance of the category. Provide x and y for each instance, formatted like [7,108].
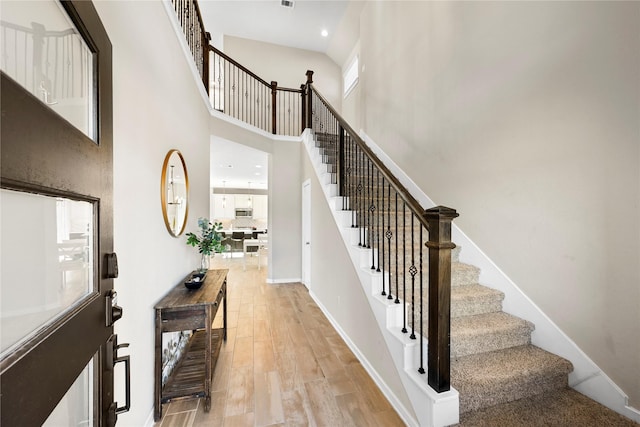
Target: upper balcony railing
[235,90]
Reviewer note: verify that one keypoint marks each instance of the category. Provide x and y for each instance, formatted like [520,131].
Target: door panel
[43,153]
[76,407]
[60,236]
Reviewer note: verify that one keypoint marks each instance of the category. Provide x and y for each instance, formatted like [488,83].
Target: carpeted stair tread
[490,378]
[562,407]
[488,332]
[464,274]
[469,300]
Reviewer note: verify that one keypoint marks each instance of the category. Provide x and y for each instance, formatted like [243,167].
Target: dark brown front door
[49,162]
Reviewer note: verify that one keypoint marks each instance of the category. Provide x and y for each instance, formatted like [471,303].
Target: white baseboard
[277,281]
[149,421]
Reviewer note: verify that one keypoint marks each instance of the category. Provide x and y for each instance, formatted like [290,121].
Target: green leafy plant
[210,239]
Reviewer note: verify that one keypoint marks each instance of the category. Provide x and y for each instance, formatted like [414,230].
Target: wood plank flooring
[283,364]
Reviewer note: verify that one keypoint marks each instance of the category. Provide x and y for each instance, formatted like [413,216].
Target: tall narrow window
[350,77]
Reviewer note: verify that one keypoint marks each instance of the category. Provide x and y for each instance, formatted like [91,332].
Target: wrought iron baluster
[389,235]
[377,207]
[397,301]
[421,368]
[381,213]
[368,204]
[413,271]
[361,210]
[352,183]
[404,264]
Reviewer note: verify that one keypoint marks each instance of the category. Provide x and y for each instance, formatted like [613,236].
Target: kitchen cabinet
[259,204]
[260,207]
[224,210]
[242,201]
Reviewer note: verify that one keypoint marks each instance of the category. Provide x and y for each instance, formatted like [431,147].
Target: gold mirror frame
[173,195]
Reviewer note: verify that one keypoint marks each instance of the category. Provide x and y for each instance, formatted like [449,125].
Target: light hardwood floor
[283,364]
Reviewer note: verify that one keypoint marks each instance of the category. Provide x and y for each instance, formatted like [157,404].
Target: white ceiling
[267,21]
[236,166]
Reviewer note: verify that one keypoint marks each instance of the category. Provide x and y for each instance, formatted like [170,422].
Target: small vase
[204,263]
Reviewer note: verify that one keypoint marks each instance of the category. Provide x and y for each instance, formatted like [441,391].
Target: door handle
[113,311]
[112,359]
[127,369]
[111,264]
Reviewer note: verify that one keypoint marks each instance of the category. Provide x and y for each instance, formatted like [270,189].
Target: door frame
[306,233]
[59,352]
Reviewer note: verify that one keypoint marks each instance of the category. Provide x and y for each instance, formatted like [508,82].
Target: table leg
[207,360]
[157,412]
[224,311]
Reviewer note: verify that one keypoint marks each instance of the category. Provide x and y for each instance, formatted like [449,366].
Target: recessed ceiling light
[258,166]
[257,173]
[324,33]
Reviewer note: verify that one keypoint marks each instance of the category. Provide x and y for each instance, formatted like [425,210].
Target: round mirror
[174,192]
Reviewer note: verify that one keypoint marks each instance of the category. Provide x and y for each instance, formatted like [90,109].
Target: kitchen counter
[247,231]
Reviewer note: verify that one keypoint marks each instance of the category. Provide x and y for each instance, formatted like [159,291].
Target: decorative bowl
[195,281]
[191,284]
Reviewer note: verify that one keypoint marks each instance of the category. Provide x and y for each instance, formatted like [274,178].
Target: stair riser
[489,342]
[510,392]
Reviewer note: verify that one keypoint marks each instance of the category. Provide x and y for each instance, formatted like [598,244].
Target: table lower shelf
[188,377]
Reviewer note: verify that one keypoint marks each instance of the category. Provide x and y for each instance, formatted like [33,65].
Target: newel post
[205,60]
[303,109]
[274,93]
[440,245]
[309,108]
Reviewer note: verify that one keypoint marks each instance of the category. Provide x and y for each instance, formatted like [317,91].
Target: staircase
[492,359]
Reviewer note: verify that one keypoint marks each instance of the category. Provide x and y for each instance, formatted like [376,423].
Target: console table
[180,310]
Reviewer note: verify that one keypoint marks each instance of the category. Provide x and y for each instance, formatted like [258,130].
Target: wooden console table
[182,310]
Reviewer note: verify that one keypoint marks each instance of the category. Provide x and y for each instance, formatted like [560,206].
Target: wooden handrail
[413,204]
[237,64]
[249,72]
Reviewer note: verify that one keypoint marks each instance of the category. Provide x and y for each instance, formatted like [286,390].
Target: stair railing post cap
[441,211]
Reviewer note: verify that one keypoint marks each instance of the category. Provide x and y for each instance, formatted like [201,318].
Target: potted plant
[209,242]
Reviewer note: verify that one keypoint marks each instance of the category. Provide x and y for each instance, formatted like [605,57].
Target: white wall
[157,107]
[336,285]
[287,65]
[285,212]
[524,117]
